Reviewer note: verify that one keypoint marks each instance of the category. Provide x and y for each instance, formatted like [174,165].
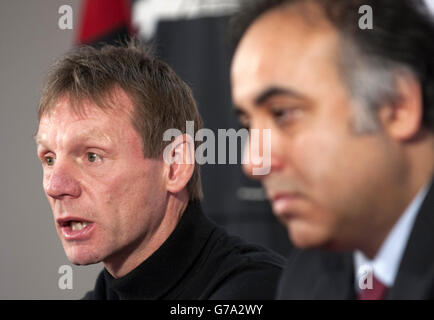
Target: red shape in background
[101,17]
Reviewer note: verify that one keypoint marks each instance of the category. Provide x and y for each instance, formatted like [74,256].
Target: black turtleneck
[199,260]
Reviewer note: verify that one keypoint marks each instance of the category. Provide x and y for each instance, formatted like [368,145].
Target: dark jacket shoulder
[199,260]
[239,270]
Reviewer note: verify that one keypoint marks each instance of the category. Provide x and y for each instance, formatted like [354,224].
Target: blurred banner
[192,37]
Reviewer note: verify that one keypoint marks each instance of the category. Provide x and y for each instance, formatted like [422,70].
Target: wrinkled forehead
[67,113]
[114,101]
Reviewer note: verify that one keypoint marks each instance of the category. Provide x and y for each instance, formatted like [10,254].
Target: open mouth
[74,225]
[75,229]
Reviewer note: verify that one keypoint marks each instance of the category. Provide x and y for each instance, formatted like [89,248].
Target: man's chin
[81,257]
[307,240]
[314,243]
[83,262]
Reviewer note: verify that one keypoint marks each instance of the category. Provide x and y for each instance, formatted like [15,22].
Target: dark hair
[160,98]
[401,38]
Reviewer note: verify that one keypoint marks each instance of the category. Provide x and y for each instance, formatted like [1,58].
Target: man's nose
[61,182]
[261,155]
[251,159]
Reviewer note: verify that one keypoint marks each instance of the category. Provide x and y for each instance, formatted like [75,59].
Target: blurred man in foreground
[351,113]
[117,199]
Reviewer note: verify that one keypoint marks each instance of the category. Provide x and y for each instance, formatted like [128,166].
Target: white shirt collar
[385,264]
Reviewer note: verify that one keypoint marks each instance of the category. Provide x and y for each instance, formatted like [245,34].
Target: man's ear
[403,120]
[179,160]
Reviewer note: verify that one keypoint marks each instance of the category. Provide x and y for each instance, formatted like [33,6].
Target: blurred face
[325,182]
[106,198]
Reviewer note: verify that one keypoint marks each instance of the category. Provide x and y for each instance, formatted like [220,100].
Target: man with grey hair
[352,143]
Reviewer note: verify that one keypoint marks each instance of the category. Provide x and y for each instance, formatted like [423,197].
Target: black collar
[158,274]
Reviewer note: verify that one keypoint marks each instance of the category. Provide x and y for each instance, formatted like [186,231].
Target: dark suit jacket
[317,274]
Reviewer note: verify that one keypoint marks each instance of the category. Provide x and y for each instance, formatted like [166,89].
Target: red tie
[377,292]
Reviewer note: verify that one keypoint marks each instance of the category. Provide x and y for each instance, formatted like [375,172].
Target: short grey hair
[371,82]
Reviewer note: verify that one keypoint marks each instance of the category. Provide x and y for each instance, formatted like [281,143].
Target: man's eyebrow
[276,91]
[37,139]
[268,93]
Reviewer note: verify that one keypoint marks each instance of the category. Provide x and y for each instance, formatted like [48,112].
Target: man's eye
[93,157]
[49,161]
[284,115]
